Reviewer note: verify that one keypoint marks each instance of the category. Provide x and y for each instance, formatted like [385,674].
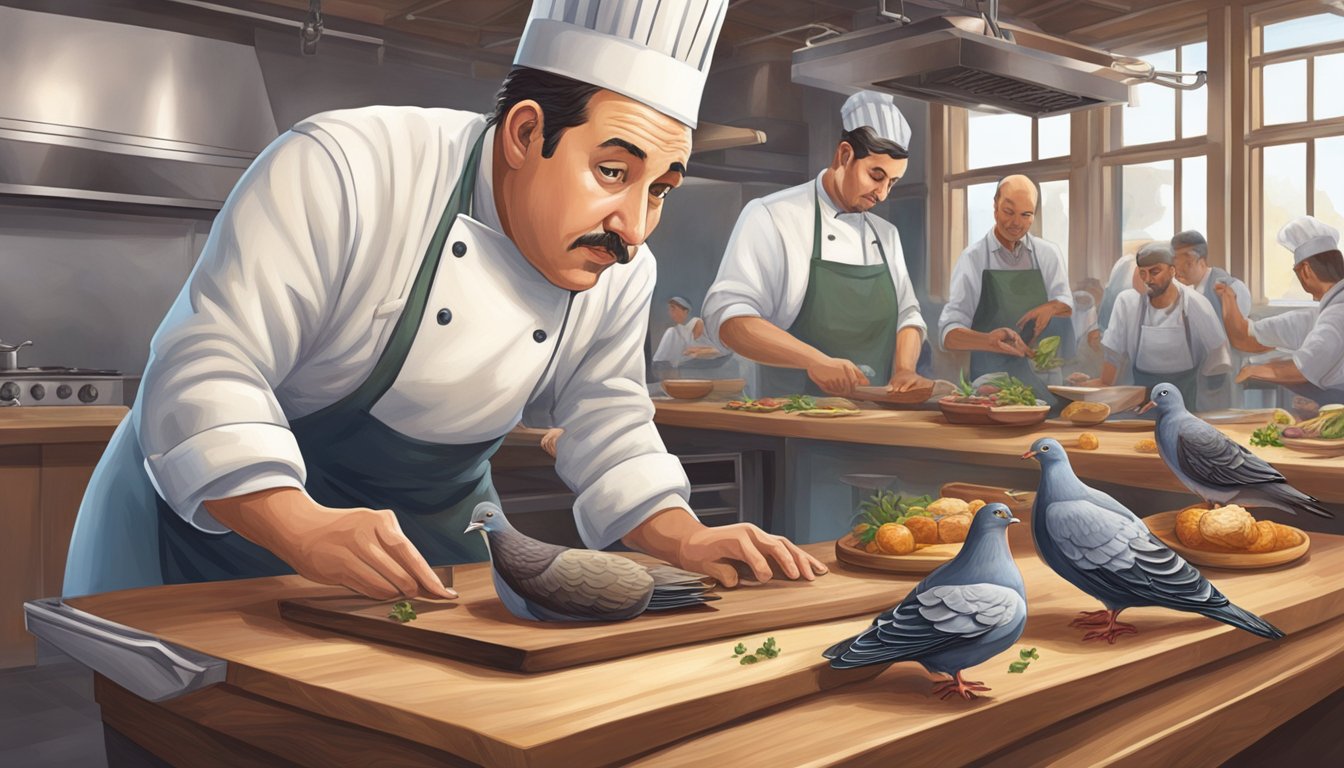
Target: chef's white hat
[876,111]
[1307,236]
[653,52]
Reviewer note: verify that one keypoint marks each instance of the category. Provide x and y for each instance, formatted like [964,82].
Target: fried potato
[1187,526]
[1088,442]
[895,539]
[952,529]
[924,529]
[1146,445]
[1229,526]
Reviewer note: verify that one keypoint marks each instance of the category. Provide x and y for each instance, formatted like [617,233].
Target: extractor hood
[958,60]
[95,110]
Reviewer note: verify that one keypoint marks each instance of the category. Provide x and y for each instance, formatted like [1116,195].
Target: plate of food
[1084,413]
[758,405]
[1321,436]
[828,412]
[1120,399]
[906,535]
[1001,401]
[1228,537]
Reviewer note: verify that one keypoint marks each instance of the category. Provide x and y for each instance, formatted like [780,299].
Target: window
[994,140]
[1166,114]
[1297,141]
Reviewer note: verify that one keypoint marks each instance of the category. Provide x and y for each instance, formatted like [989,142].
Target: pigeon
[547,582]
[1100,546]
[971,608]
[1216,468]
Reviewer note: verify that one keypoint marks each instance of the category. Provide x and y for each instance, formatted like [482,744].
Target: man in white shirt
[1192,268]
[814,287]
[1168,334]
[386,294]
[1008,289]
[1315,337]
[686,339]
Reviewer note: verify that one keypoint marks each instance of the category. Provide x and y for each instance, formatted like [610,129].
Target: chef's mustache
[607,241]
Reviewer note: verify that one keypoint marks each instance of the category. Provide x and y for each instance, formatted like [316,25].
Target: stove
[54,385]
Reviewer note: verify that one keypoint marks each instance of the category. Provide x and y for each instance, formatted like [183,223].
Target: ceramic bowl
[688,389]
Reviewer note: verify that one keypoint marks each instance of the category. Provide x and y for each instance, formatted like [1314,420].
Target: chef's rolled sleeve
[1321,356]
[1287,330]
[963,295]
[611,453]
[210,425]
[752,276]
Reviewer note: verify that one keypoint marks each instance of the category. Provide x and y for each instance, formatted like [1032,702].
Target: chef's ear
[520,129]
[844,153]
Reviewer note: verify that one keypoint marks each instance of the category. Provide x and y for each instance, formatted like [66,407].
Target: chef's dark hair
[1327,265]
[865,142]
[563,100]
[1193,240]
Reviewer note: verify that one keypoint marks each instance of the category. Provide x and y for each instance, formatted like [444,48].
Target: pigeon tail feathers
[1243,619]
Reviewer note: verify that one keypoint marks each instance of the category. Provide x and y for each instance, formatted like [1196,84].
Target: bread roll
[1230,526]
[1187,526]
[1264,538]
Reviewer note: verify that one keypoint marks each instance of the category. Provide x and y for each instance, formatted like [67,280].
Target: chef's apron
[1005,296]
[1311,391]
[1210,291]
[850,311]
[354,460]
[1162,342]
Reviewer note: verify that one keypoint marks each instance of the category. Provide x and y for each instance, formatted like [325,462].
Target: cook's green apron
[1186,381]
[850,311]
[1005,296]
[354,460]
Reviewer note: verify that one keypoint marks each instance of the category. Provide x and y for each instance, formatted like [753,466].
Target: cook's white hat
[657,53]
[877,111]
[1307,236]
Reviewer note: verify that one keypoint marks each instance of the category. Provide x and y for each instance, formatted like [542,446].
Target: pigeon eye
[1045,447]
[1163,393]
[999,513]
[489,514]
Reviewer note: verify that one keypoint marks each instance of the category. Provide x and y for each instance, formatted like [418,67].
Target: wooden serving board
[477,628]
[1163,526]
[921,561]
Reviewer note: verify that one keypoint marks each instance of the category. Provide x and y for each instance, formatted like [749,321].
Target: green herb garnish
[800,403]
[964,387]
[1269,434]
[1025,657]
[402,612]
[1013,392]
[768,650]
[1046,356]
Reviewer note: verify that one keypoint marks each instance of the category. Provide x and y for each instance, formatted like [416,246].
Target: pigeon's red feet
[1108,628]
[966,688]
[1091,619]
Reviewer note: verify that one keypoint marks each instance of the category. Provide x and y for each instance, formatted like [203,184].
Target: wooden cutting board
[477,628]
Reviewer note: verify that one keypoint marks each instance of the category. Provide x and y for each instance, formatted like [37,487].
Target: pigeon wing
[934,620]
[584,583]
[1210,457]
[1116,556]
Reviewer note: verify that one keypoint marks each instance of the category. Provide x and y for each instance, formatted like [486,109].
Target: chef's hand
[677,537]
[904,381]
[701,352]
[1094,340]
[1251,372]
[362,549]
[550,439]
[1005,341]
[1225,293]
[1078,378]
[1037,318]
[836,376]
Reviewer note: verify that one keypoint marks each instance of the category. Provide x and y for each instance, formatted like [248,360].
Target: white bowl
[1120,399]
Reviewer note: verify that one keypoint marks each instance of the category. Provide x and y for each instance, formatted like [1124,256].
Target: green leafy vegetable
[964,387]
[800,403]
[1013,392]
[402,612]
[1267,435]
[768,650]
[1025,656]
[1047,354]
[1028,654]
[1017,667]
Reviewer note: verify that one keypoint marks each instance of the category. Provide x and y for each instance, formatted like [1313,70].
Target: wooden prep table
[1184,689]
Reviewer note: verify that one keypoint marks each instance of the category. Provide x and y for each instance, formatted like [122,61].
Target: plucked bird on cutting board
[1215,467]
[547,582]
[1098,545]
[970,609]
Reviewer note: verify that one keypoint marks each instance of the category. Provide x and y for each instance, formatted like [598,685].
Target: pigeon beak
[1029,455]
[1012,520]
[1148,406]
[475,527]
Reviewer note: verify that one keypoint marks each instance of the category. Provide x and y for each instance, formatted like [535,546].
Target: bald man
[1008,290]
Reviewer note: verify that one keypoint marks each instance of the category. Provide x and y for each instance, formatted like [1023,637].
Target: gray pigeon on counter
[1100,546]
[1215,467]
[547,582]
[970,609]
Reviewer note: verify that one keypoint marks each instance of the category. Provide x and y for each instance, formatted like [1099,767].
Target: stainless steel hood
[94,110]
[956,60]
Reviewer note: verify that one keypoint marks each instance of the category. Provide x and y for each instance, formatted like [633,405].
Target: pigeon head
[487,517]
[992,517]
[1047,451]
[1166,399]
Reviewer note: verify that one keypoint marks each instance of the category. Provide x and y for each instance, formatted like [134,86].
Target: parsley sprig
[768,650]
[402,612]
[1024,658]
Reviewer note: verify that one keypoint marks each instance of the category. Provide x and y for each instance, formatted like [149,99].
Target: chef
[1009,289]
[814,287]
[386,294]
[1192,268]
[686,338]
[1167,334]
[1315,337]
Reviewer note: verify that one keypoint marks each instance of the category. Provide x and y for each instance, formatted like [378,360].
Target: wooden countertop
[1115,460]
[59,424]
[699,707]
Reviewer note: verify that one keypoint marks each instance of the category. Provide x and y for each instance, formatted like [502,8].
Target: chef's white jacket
[302,280]
[765,270]
[1314,336]
[963,295]
[1207,337]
